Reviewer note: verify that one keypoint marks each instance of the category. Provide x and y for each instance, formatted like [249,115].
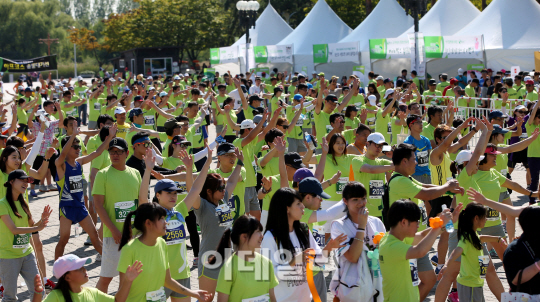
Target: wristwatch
[265,191]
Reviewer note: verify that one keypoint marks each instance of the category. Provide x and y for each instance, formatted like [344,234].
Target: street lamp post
[75,54]
[248,13]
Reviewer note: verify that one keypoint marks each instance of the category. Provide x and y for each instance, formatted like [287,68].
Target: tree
[85,39]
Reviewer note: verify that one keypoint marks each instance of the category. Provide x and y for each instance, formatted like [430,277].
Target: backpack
[386,201]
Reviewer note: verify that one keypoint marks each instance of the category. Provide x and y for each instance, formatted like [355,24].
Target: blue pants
[534,167]
[83,110]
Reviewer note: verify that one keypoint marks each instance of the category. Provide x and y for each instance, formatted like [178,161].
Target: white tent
[510,36]
[321,26]
[270,28]
[445,18]
[387,20]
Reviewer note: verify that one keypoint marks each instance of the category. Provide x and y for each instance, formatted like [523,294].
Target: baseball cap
[186,74]
[135,112]
[166,185]
[176,77]
[331,98]
[254,98]
[151,88]
[528,82]
[171,124]
[321,74]
[376,138]
[372,100]
[138,98]
[432,82]
[519,107]
[225,148]
[313,186]
[460,70]
[79,78]
[17,174]
[492,150]
[309,86]
[387,80]
[294,160]
[489,70]
[496,114]
[465,155]
[247,124]
[314,72]
[499,129]
[28,89]
[257,119]
[298,97]
[527,78]
[180,139]
[453,81]
[119,110]
[302,173]
[379,78]
[388,92]
[301,76]
[119,143]
[68,263]
[150,78]
[163,93]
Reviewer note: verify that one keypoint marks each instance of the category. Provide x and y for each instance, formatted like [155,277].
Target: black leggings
[191,223]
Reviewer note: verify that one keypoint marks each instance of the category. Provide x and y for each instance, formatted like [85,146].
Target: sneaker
[434,260]
[49,286]
[43,188]
[33,193]
[493,254]
[195,261]
[453,297]
[88,241]
[98,257]
[1,291]
[52,188]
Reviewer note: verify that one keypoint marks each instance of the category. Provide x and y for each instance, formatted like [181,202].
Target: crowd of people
[352,177]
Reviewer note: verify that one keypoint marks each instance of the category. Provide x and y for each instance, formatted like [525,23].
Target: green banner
[305,70]
[261,54]
[377,49]
[214,56]
[210,73]
[359,72]
[434,46]
[320,53]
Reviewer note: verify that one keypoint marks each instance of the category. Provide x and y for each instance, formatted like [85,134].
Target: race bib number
[158,295]
[422,158]
[329,129]
[376,189]
[73,112]
[149,120]
[389,128]
[198,131]
[423,213]
[263,298]
[76,184]
[97,106]
[225,217]
[341,184]
[504,172]
[300,121]
[370,121]
[523,136]
[255,167]
[176,232]
[413,264]
[122,209]
[358,105]
[21,241]
[484,262]
[81,94]
[492,215]
[182,186]
[318,234]
[56,131]
[231,203]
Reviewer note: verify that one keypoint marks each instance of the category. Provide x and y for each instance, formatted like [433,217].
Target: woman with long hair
[245,235]
[288,242]
[221,119]
[351,121]
[16,253]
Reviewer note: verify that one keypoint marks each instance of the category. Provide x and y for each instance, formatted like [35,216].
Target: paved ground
[49,237]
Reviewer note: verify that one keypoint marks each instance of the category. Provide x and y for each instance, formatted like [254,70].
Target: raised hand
[133,271]
[267,183]
[336,177]
[149,159]
[336,242]
[157,175]
[279,144]
[324,145]
[112,131]
[239,154]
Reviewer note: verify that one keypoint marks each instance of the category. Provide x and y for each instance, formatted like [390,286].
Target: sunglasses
[285,126]
[182,145]
[523,112]
[145,144]
[27,180]
[76,147]
[221,188]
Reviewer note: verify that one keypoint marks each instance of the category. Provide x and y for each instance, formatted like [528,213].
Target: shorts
[472,294]
[424,264]
[424,178]
[518,157]
[504,195]
[496,230]
[92,125]
[75,214]
[436,205]
[250,200]
[110,258]
[184,282]
[296,145]
[204,270]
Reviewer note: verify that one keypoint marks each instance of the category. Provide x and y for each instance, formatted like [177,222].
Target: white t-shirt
[373,227]
[236,97]
[254,90]
[292,285]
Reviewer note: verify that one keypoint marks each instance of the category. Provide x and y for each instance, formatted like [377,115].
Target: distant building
[149,60]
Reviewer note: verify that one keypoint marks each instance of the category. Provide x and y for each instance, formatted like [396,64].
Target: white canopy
[510,39]
[321,26]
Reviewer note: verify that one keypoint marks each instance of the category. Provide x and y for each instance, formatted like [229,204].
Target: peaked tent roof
[446,18]
[499,23]
[321,26]
[270,28]
[387,20]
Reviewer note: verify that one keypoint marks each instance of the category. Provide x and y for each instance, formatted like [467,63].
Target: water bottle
[77,230]
[450,225]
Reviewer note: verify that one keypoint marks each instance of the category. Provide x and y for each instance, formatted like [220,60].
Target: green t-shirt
[248,283]
[357,100]
[88,294]
[470,92]
[374,183]
[249,165]
[271,168]
[149,119]
[441,86]
[117,203]
[71,111]
[466,182]
[502,163]
[353,123]
[236,199]
[296,132]
[512,93]
[429,132]
[397,270]
[397,130]
[160,121]
[534,148]
[469,271]
[490,182]
[222,121]
[95,108]
[152,279]
[196,136]
[322,125]
[22,116]
[276,185]
[175,238]
[370,120]
[433,101]
[407,188]
[13,246]
[532,96]
[331,168]
[382,124]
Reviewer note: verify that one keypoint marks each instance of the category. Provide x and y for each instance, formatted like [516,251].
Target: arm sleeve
[199,155]
[332,213]
[163,171]
[159,159]
[35,149]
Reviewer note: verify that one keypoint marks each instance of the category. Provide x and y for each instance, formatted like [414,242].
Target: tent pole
[484,51]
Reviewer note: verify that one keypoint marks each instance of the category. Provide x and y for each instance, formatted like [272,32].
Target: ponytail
[454,166]
[466,228]
[224,243]
[63,286]
[146,211]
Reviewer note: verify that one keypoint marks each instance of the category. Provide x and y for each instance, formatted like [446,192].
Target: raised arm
[487,129]
[436,154]
[88,158]
[533,113]
[149,161]
[193,199]
[158,110]
[347,98]
[253,134]
[280,146]
[520,145]
[235,175]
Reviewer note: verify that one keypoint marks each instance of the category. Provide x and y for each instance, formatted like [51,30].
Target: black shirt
[516,258]
[139,164]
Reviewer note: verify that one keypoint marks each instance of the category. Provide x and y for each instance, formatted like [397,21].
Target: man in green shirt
[443,83]
[532,95]
[519,86]
[415,79]
[512,92]
[430,96]
[470,90]
[435,118]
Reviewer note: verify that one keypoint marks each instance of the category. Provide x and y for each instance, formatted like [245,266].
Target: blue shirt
[422,155]
[462,78]
[71,186]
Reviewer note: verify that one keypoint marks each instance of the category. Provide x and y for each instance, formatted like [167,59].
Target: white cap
[68,263]
[519,107]
[186,74]
[376,138]
[119,110]
[151,88]
[112,80]
[531,73]
[247,124]
[163,93]
[40,112]
[388,92]
[386,148]
[64,81]
[150,78]
[176,77]
[466,155]
[65,89]
[79,78]
[460,71]
[527,78]
[372,100]
[379,78]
